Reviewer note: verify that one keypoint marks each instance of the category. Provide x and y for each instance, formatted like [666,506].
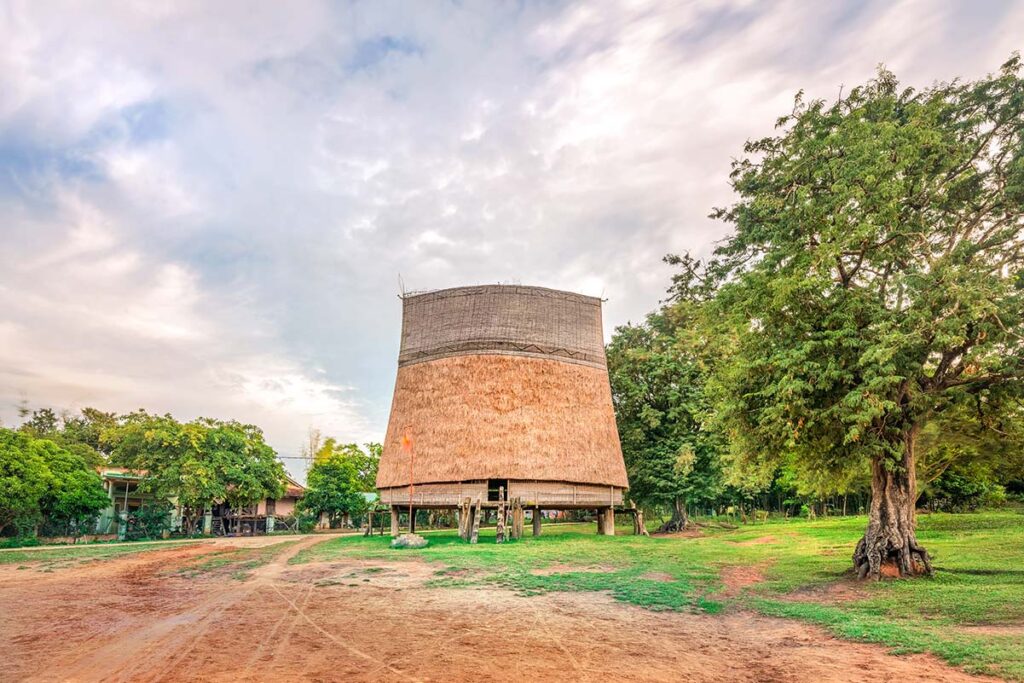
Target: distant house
[265,516]
[122,487]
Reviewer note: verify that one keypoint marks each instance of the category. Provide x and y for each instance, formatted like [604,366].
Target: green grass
[69,556]
[237,563]
[979,578]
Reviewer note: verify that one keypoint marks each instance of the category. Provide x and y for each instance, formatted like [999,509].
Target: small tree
[875,280]
[42,482]
[334,486]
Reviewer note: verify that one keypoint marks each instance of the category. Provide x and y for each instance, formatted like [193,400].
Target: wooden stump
[639,528]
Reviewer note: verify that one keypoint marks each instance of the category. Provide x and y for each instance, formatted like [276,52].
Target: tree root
[878,557]
[675,525]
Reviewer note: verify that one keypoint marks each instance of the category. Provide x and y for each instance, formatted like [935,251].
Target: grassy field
[971,613]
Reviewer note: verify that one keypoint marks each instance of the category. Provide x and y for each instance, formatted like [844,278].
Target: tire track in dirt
[161,650]
[293,618]
[349,648]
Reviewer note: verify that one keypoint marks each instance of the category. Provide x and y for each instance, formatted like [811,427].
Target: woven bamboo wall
[498,319]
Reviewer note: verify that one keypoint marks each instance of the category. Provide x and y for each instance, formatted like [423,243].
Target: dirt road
[137,618]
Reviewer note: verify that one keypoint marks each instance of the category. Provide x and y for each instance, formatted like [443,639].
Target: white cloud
[205,208]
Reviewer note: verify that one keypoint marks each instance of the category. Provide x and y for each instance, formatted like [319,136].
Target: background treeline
[857,342]
[50,485]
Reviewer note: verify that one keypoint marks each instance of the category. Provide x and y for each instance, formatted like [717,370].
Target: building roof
[121,473]
[472,417]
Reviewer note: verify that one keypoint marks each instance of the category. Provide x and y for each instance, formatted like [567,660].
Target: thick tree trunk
[889,546]
[680,519]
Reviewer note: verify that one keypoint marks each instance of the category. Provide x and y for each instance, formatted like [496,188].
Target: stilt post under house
[517,519]
[475,511]
[500,528]
[536,521]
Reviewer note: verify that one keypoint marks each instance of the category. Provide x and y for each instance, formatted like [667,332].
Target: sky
[211,208]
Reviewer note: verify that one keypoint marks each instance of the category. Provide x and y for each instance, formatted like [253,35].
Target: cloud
[206,209]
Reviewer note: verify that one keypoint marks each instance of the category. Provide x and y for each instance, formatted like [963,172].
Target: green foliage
[24,479]
[658,389]
[964,487]
[875,279]
[40,481]
[75,495]
[198,462]
[78,434]
[365,459]
[150,521]
[337,480]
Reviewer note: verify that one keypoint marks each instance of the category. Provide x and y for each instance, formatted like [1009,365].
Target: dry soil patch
[128,620]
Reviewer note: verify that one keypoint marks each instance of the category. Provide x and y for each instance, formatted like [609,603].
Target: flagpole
[407,444]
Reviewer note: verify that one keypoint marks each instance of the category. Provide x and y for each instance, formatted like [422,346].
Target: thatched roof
[488,416]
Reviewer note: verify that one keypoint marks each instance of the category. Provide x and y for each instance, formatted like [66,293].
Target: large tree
[200,462]
[875,280]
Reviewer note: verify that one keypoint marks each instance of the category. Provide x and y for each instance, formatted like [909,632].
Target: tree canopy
[199,462]
[658,390]
[874,282]
[340,475]
[40,480]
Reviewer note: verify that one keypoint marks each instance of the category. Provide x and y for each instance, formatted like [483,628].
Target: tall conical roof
[502,382]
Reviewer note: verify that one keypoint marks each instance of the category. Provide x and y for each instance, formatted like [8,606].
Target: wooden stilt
[500,528]
[536,521]
[475,510]
[466,519]
[394,521]
[412,520]
[517,519]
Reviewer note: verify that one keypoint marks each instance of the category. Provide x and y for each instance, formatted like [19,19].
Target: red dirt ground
[126,619]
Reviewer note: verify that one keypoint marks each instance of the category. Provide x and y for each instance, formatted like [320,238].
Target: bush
[150,521]
[960,490]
